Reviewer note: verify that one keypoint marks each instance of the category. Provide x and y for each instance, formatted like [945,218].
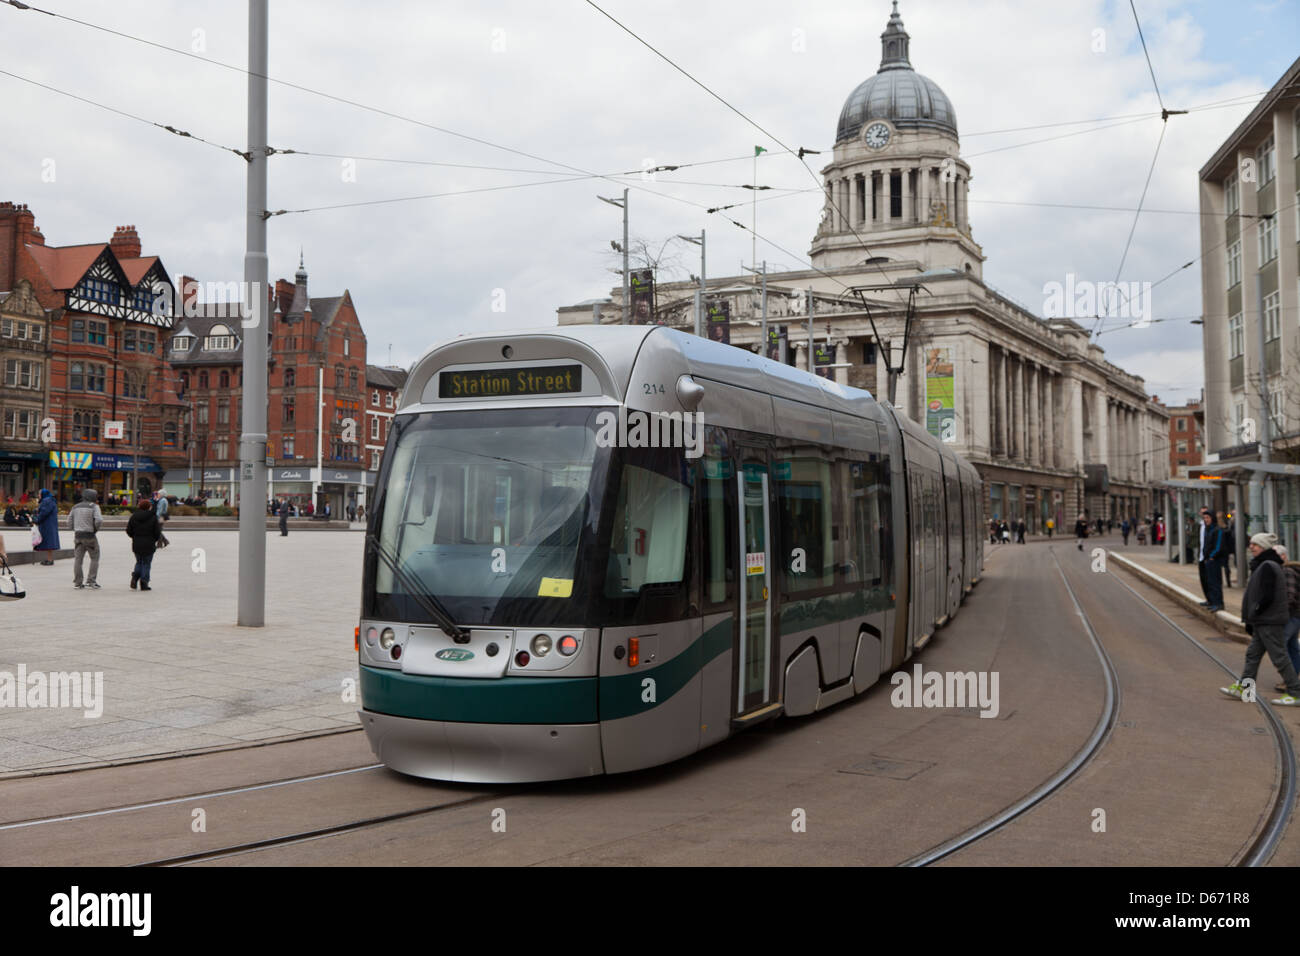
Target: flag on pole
[758,149]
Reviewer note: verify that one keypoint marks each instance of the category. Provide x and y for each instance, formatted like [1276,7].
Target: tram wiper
[428,603]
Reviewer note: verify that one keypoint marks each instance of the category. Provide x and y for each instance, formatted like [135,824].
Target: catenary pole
[252,442]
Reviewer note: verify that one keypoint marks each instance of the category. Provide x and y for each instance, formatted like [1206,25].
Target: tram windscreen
[487,509]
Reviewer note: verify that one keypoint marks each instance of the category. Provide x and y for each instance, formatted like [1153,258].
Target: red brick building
[114,407]
[1186,425]
[315,397]
[384,386]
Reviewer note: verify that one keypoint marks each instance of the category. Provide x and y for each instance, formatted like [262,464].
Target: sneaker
[1287,700]
[1233,690]
[78,586]
[1205,604]
[93,584]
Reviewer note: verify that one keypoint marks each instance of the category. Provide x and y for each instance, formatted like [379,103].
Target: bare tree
[664,257]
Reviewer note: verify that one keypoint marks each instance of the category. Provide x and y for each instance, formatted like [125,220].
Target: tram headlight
[568,645]
[372,635]
[387,638]
[541,645]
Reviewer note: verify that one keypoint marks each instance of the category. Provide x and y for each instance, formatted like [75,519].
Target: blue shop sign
[103,462]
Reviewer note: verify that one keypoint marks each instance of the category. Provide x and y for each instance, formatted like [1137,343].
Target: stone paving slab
[178,673]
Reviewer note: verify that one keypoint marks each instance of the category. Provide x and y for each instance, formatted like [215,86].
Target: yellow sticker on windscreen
[555,587]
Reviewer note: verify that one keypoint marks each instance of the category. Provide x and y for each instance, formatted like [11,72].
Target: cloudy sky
[559,82]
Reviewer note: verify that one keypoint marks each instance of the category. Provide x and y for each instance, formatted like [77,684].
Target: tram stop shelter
[1279,487]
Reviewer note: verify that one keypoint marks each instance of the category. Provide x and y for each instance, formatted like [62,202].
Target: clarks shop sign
[290,474]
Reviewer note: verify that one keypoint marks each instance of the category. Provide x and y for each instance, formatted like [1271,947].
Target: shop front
[20,471]
[117,478]
[342,488]
[292,485]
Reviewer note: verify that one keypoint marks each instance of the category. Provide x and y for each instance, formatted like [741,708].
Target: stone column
[903,178]
[1072,452]
[1102,428]
[1034,448]
[859,203]
[841,357]
[1008,405]
[922,194]
[886,192]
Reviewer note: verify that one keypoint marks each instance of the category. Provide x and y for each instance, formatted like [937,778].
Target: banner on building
[641,283]
[113,430]
[778,344]
[940,408]
[718,312]
[823,355]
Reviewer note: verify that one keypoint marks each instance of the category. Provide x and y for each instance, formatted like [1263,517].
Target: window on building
[1232,194]
[1234,263]
[338,376]
[148,340]
[100,290]
[374,398]
[374,461]
[289,377]
[1180,424]
[288,409]
[20,423]
[169,434]
[223,413]
[347,345]
[133,385]
[21,373]
[1182,447]
[96,332]
[38,330]
[374,429]
[220,448]
[78,333]
[352,378]
[182,343]
[77,377]
[1236,337]
[203,379]
[7,328]
[201,412]
[1267,163]
[85,426]
[288,446]
[1277,408]
[223,379]
[128,340]
[142,299]
[1239,421]
[185,381]
[388,399]
[219,339]
[1268,239]
[1272,317]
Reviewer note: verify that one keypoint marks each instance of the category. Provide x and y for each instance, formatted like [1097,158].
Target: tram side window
[648,542]
[718,525]
[804,512]
[861,484]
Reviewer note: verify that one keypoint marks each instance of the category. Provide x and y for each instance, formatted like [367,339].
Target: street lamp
[699,296]
[622,204]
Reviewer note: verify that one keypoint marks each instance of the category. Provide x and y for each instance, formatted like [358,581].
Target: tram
[595,549]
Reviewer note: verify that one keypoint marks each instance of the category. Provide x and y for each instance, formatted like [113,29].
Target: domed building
[1055,430]
[897,182]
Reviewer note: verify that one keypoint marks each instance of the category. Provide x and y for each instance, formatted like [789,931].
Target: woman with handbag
[145,532]
[45,530]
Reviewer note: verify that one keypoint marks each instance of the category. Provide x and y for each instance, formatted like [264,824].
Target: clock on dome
[876,136]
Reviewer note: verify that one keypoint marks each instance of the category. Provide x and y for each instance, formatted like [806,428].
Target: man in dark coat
[1264,612]
[1210,549]
[1080,532]
[47,521]
[284,519]
[145,531]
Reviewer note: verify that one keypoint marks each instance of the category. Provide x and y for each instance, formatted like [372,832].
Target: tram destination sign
[504,382]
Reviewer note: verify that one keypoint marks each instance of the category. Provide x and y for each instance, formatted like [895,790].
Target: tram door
[754,661]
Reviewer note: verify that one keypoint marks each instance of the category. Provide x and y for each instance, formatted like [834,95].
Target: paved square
[178,674]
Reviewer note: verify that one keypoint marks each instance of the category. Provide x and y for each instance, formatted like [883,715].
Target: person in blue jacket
[47,520]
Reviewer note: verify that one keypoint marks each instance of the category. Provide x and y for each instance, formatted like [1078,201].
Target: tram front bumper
[484,753]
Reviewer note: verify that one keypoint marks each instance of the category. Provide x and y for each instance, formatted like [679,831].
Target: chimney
[125,243]
[189,295]
[283,295]
[17,225]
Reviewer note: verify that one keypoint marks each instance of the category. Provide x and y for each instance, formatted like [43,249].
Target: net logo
[453,654]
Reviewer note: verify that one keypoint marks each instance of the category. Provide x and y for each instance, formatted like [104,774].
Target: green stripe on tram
[620,695]
[504,700]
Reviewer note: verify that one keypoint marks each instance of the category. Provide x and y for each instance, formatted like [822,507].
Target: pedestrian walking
[1264,613]
[1207,562]
[1006,533]
[1124,529]
[1292,633]
[361,512]
[47,525]
[1051,526]
[1230,547]
[284,520]
[1020,531]
[163,506]
[1080,532]
[85,519]
[1142,533]
[145,531]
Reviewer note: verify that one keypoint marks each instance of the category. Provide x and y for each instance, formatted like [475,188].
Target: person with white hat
[1264,612]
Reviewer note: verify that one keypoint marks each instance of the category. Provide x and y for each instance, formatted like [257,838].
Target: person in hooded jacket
[47,521]
[145,531]
[1264,612]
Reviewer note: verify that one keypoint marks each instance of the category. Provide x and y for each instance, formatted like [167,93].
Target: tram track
[1261,848]
[1091,747]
